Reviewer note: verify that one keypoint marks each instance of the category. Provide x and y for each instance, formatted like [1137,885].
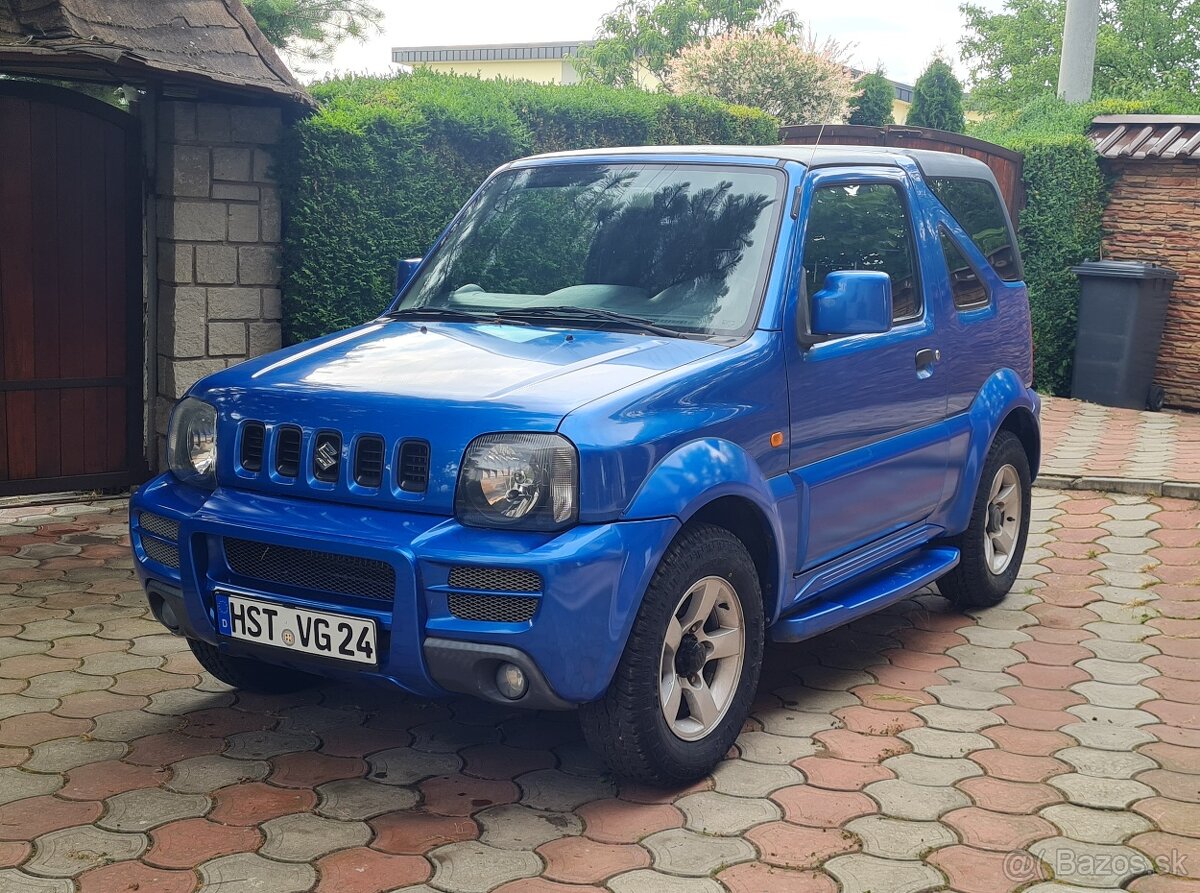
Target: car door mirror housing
[853,302]
[405,269]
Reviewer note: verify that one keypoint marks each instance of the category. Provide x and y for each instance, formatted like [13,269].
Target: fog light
[167,616]
[511,681]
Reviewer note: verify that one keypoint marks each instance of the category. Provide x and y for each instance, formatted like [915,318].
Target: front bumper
[592,581]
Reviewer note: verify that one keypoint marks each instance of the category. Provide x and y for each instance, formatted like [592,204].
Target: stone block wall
[218,242]
[1153,215]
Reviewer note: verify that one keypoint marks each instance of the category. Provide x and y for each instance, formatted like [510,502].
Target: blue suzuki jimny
[637,411]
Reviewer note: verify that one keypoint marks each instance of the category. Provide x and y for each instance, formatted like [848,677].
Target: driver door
[868,442]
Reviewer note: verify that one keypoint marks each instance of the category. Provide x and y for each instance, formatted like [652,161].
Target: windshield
[684,247]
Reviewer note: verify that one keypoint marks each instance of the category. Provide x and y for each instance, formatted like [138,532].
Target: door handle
[925,360]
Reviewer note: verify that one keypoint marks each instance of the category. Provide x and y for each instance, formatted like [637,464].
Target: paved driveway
[1057,736]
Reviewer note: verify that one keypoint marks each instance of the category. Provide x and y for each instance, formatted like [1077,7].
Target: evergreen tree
[938,99]
[872,107]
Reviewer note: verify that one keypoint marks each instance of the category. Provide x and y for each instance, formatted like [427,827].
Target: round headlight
[192,442]
[525,481]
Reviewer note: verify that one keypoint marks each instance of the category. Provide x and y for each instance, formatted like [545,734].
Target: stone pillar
[218,242]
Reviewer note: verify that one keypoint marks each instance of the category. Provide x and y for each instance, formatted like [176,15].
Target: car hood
[444,383]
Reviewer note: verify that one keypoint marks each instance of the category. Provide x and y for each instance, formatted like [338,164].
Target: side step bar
[877,592]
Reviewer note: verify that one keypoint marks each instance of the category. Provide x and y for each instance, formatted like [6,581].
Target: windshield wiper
[567,313]
[453,315]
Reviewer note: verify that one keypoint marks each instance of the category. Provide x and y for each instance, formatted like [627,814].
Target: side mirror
[853,302]
[404,272]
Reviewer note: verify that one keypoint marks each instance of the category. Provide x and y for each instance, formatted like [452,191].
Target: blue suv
[637,412]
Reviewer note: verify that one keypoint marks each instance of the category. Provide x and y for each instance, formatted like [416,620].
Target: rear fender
[703,471]
[971,436]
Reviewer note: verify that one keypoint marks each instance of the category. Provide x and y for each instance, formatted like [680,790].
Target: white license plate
[295,629]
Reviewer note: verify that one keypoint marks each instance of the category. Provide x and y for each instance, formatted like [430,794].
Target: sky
[902,36]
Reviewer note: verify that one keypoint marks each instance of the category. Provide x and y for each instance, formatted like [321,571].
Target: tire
[247,674]
[985,574]
[1156,398]
[628,726]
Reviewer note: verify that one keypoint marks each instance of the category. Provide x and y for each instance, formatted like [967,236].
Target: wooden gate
[1005,163]
[70,292]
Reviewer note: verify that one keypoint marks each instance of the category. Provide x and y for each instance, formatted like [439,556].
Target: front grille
[310,569]
[253,437]
[163,553]
[493,608]
[368,461]
[494,579]
[159,526]
[287,451]
[413,467]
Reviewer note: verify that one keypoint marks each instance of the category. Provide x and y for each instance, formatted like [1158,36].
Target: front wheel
[993,545]
[687,677]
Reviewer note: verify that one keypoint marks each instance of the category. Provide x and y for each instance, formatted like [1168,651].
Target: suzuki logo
[327,455]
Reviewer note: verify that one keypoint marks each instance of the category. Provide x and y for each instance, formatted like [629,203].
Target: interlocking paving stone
[360,798]
[714,813]
[20,882]
[1095,825]
[647,881]
[795,723]
[264,745]
[199,775]
[16,784]
[931,771]
[148,808]
[898,838]
[905,800]
[861,873]
[516,827]
[72,851]
[304,837]
[1101,793]
[939,716]
[763,747]
[248,873]
[557,791]
[474,867]
[1103,736]
[744,779]
[1091,864]
[404,766]
[1105,763]
[680,851]
[940,743]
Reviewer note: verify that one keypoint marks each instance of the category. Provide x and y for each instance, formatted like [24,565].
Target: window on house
[976,206]
[969,291]
[864,226]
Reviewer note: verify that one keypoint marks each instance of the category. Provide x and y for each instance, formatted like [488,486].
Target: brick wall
[1154,215]
[218,242]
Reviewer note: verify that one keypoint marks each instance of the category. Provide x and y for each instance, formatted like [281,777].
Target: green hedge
[380,169]
[1062,222]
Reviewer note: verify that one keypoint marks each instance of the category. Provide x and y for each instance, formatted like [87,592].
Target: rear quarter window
[976,206]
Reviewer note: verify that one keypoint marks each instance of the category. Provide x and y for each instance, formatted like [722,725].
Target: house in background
[546,63]
[139,238]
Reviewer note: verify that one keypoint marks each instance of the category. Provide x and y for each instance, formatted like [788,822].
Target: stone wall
[218,242]
[1153,214]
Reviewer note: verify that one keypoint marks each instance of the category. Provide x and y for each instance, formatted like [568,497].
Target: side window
[863,226]
[976,206]
[969,292]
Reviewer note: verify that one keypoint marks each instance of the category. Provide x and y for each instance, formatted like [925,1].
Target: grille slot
[327,456]
[310,569]
[493,608]
[163,553]
[253,436]
[287,451]
[159,526]
[494,579]
[413,468]
[368,461]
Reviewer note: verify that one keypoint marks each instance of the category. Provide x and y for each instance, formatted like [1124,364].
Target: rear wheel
[993,545]
[247,674]
[684,684]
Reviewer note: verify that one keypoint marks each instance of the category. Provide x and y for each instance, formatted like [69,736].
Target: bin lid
[1123,269]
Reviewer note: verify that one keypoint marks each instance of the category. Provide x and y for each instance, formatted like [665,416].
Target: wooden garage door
[70,292]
